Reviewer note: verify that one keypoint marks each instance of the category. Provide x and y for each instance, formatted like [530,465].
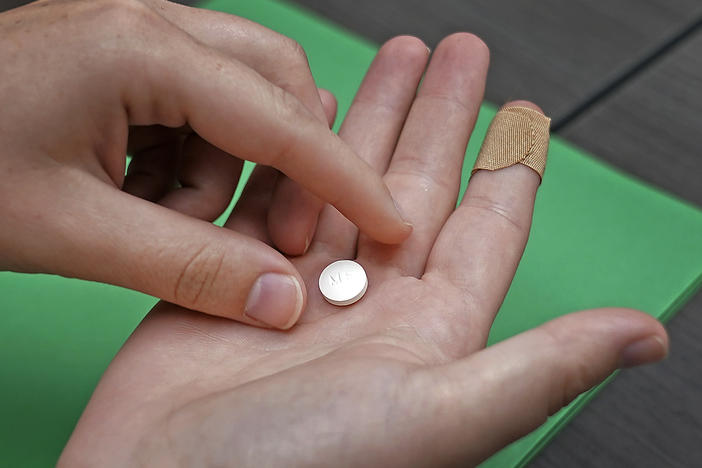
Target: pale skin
[190,93]
[401,378]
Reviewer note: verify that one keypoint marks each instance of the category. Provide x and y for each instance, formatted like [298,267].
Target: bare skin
[401,378]
[83,81]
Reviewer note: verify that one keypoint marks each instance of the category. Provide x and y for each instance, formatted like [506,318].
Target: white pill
[343,282]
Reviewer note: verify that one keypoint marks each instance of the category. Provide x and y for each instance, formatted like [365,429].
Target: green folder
[599,238]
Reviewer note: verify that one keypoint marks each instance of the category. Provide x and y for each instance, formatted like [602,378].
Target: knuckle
[122,26]
[293,66]
[124,10]
[570,377]
[162,4]
[292,73]
[284,152]
[295,51]
[575,380]
[198,276]
[128,22]
[289,109]
[125,26]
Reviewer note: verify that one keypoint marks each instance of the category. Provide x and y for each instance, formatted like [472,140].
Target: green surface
[599,238]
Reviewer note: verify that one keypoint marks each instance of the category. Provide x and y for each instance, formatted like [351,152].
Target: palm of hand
[380,382]
[195,381]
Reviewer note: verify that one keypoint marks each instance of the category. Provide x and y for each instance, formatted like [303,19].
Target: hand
[401,378]
[184,89]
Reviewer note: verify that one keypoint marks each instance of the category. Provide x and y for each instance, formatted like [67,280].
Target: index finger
[236,109]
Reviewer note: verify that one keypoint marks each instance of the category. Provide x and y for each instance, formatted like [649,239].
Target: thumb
[99,233]
[507,390]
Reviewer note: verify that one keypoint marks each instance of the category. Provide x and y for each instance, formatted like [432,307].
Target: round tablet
[343,282]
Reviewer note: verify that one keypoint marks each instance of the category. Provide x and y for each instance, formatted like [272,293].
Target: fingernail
[402,213]
[644,351]
[275,300]
[308,241]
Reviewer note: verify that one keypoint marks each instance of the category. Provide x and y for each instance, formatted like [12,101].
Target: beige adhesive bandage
[517,135]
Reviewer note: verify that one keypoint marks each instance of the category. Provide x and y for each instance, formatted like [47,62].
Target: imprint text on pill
[343,282]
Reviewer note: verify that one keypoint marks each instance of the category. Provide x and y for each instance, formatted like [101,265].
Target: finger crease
[183,274]
[490,206]
[447,99]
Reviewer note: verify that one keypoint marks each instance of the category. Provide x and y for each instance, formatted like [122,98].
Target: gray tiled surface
[549,51]
[652,127]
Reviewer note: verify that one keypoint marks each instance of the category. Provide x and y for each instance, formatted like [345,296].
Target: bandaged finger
[517,135]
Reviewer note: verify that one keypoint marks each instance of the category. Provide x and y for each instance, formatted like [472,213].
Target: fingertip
[393,231]
[651,324]
[523,103]
[407,47]
[465,44]
[648,343]
[292,218]
[276,300]
[635,337]
[406,227]
[330,105]
[290,235]
[634,320]
[396,236]
[643,351]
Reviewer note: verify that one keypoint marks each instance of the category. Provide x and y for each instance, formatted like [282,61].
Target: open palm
[400,378]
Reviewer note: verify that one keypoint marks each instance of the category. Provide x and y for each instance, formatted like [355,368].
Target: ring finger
[481,244]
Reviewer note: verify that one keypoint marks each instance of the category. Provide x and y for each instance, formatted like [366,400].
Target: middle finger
[425,171]
[371,129]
